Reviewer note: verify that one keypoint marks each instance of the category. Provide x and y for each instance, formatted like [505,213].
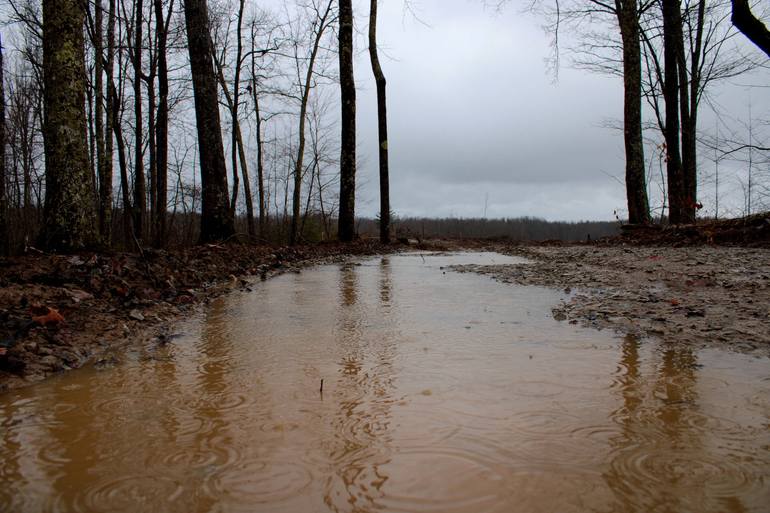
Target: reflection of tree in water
[648,469]
[363,394]
[75,441]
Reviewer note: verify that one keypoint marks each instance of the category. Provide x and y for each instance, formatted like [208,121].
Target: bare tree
[699,55]
[602,52]
[322,19]
[217,221]
[347,229]
[96,37]
[254,87]
[382,125]
[140,185]
[233,100]
[105,166]
[160,177]
[69,215]
[672,52]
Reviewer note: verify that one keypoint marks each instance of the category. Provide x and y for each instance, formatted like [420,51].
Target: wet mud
[700,296]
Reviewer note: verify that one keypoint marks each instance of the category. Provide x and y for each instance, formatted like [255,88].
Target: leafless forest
[165,123]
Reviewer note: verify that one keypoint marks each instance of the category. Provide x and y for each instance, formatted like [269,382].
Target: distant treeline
[521,228]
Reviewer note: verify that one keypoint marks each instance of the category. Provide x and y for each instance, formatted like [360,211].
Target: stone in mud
[136,315]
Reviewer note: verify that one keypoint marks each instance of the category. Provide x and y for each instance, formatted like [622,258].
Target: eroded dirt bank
[700,295]
[58,312]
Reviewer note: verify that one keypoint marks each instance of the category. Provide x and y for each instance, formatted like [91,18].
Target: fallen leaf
[674,302]
[52,317]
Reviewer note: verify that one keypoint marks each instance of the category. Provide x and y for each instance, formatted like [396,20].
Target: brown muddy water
[443,392]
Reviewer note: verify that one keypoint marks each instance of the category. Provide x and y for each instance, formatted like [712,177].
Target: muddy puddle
[442,392]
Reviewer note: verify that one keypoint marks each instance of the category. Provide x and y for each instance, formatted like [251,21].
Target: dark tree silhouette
[161,127]
[216,216]
[672,50]
[750,25]
[140,182]
[346,227]
[382,126]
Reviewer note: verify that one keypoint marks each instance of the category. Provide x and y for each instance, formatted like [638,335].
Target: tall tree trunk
[237,136]
[99,113]
[636,184]
[69,215]
[672,41]
[260,153]
[105,166]
[128,210]
[140,188]
[4,243]
[260,164]
[382,126]
[152,147]
[216,217]
[346,226]
[689,91]
[91,136]
[161,127]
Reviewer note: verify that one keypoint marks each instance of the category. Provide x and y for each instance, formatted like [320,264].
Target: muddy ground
[698,295]
[59,312]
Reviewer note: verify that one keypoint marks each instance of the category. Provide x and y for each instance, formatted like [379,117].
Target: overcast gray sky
[475,118]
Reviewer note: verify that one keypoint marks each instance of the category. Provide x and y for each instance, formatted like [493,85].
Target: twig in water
[321,390]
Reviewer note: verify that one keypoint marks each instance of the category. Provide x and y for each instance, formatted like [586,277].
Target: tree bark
[346,227]
[382,126]
[69,215]
[636,183]
[128,211]
[4,243]
[216,217]
[689,92]
[237,136]
[260,162]
[161,128]
[140,186]
[99,115]
[260,154]
[672,41]
[105,167]
[750,25]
